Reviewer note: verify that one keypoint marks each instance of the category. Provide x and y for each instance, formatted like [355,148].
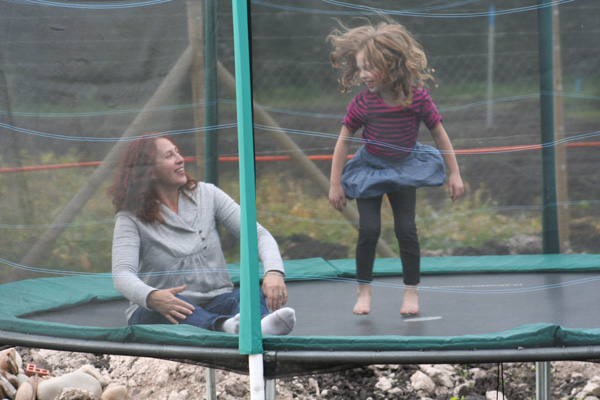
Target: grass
[288,207]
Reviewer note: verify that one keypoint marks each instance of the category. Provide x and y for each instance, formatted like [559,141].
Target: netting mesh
[77,76]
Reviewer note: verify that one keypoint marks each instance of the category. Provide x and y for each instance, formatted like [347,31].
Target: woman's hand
[165,303]
[275,292]
[337,197]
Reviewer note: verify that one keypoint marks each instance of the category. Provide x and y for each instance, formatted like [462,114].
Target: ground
[155,379]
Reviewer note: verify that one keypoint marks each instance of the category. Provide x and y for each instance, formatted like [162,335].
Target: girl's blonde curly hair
[389,49]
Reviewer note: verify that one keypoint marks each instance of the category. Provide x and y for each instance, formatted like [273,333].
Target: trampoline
[474,309]
[80,79]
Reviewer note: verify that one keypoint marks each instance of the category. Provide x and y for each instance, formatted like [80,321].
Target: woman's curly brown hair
[133,187]
[388,49]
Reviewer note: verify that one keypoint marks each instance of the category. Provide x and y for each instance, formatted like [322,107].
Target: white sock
[280,322]
[232,325]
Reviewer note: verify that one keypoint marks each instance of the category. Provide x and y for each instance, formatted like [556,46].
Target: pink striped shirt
[390,132]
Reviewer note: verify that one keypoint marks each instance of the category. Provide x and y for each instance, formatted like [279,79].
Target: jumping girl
[393,67]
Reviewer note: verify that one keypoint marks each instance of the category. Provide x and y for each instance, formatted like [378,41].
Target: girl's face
[169,171]
[368,75]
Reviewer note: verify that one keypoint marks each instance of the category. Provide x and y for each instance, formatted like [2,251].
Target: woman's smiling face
[169,171]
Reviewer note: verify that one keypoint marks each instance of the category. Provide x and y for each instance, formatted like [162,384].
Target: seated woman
[166,253]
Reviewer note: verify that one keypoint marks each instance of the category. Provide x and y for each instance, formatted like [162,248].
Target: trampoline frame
[282,357]
[329,361]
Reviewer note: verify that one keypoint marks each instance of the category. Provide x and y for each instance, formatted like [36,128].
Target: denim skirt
[366,175]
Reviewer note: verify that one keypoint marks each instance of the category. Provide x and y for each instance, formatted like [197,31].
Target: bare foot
[363,303]
[410,305]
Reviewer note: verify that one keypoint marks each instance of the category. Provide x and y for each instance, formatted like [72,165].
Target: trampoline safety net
[516,86]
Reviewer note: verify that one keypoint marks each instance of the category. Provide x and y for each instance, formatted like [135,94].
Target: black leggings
[403,207]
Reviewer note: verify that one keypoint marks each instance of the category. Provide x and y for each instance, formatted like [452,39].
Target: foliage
[288,207]
[285,206]
[471,221]
[84,246]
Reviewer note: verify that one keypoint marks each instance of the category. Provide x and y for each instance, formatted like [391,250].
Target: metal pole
[270,389]
[562,194]
[542,380]
[550,236]
[211,384]
[490,70]
[211,87]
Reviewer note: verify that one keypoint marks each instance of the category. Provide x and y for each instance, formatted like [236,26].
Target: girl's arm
[337,197]
[442,141]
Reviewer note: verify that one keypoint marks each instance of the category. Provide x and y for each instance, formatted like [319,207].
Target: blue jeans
[208,315]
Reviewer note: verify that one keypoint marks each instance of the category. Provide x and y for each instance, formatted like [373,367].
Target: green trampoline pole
[250,338]
[550,234]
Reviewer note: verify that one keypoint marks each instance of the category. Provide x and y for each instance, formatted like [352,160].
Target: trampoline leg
[257,376]
[542,380]
[211,384]
[270,389]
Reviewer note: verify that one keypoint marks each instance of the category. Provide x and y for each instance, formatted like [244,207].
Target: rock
[86,378]
[115,393]
[177,396]
[162,377]
[474,397]
[10,361]
[494,395]
[461,390]
[58,363]
[6,388]
[236,389]
[76,394]
[440,374]
[25,392]
[384,383]
[592,388]
[22,378]
[477,373]
[421,382]
[13,379]
[314,384]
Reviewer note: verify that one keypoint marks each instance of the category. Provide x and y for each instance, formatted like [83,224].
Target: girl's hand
[455,186]
[337,197]
[172,308]
[274,289]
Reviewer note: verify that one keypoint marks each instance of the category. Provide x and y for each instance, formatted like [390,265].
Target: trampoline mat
[451,305]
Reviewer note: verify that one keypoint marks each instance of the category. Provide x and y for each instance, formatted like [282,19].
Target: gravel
[148,379]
